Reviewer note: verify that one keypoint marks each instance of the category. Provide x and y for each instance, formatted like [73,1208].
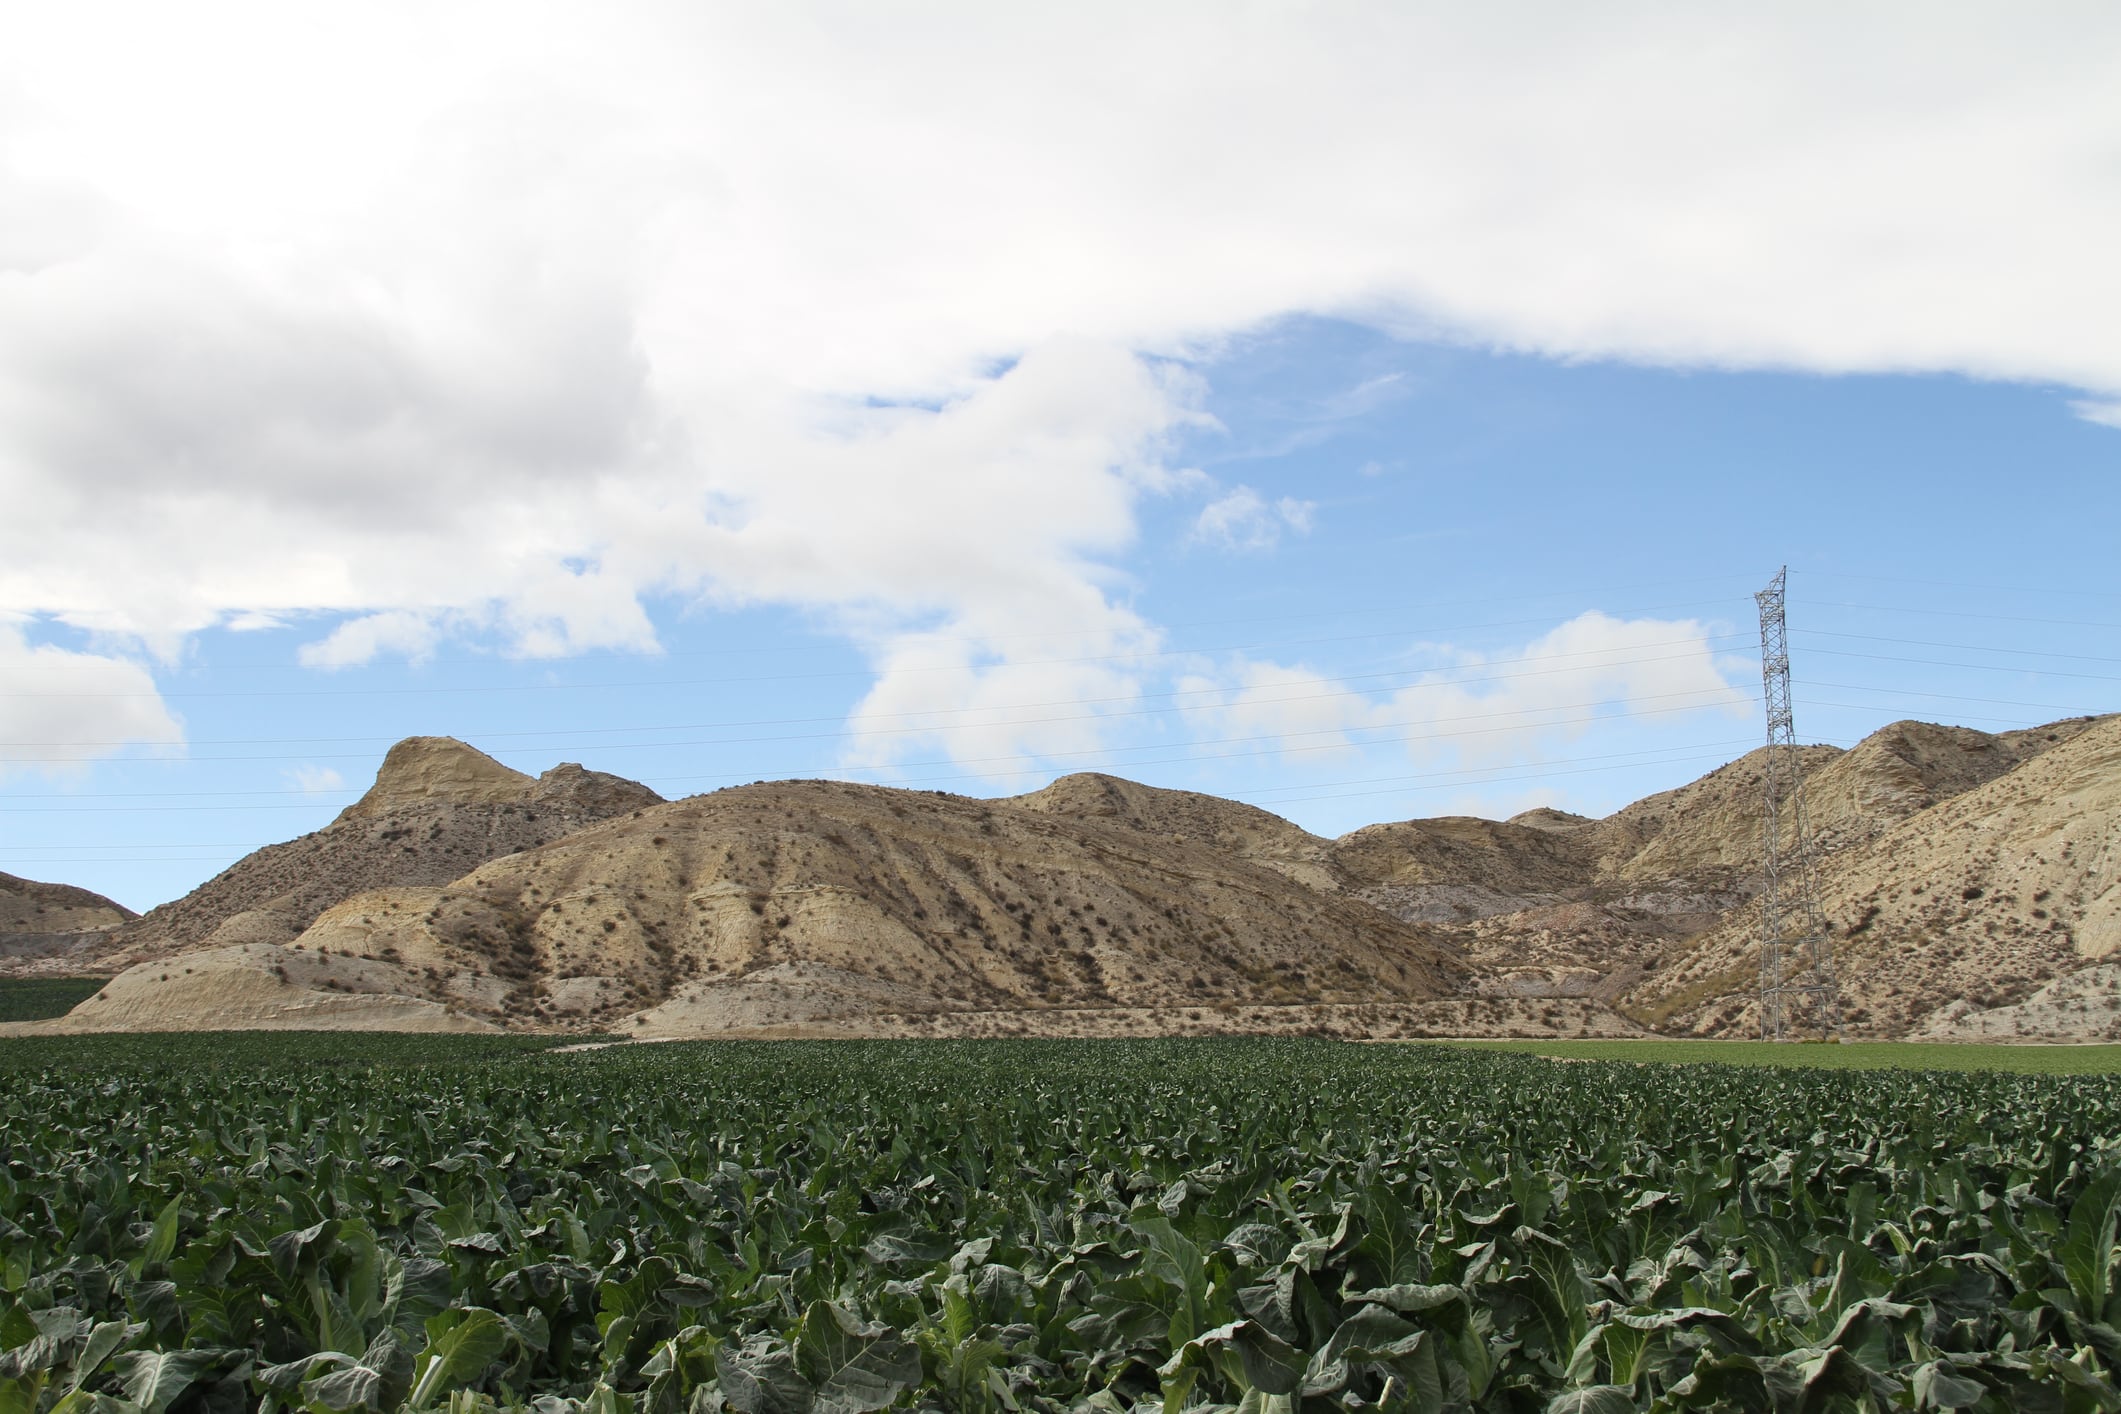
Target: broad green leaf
[19,1394]
[460,1345]
[1267,1363]
[1596,1399]
[161,1238]
[103,1342]
[922,1249]
[1938,1386]
[2087,1250]
[852,1366]
[1175,1259]
[377,1382]
[156,1379]
[298,1251]
[762,1379]
[1372,1336]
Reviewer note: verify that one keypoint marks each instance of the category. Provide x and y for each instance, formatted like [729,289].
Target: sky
[1363,411]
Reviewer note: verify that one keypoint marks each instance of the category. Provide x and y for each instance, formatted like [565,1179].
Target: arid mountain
[828,908]
[1187,817]
[1970,878]
[44,926]
[438,809]
[1709,832]
[1975,903]
[27,906]
[1677,867]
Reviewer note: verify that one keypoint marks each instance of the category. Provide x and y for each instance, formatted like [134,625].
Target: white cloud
[1482,709]
[1242,519]
[411,636]
[61,709]
[315,780]
[496,320]
[2104,411]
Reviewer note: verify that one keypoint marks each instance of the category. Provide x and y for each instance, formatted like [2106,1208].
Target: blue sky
[1392,417]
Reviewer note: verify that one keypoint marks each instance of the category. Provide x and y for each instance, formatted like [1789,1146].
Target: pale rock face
[1973,884]
[256,987]
[432,770]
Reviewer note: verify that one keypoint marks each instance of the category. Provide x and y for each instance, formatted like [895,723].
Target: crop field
[1859,1055]
[35,998]
[190,1225]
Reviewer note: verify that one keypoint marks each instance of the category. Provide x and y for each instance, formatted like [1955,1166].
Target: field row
[395,1223]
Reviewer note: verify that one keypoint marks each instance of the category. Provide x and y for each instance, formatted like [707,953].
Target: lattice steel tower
[1798,995]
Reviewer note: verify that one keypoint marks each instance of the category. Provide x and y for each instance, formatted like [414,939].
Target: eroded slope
[1982,899]
[438,810]
[814,904]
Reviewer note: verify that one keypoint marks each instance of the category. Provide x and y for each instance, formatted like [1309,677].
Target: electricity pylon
[1798,994]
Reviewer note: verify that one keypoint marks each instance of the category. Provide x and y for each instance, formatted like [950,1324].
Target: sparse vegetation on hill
[438,810]
[1969,881]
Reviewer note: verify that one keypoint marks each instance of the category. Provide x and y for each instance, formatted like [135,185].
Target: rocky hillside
[1187,817]
[27,906]
[1969,877]
[438,810]
[1611,908]
[822,908]
[1972,904]
[45,927]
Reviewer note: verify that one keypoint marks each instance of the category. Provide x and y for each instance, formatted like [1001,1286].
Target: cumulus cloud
[316,780]
[504,321]
[61,709]
[1481,709]
[1242,519]
[2104,411]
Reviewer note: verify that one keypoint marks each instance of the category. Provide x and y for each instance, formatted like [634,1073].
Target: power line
[1337,731]
[1174,693]
[1315,785]
[870,671]
[1974,667]
[1031,761]
[2073,593]
[1656,756]
[1969,647]
[939,728]
[1944,696]
[1960,614]
[1610,662]
[1575,592]
[1463,777]
[1132,655]
[1481,781]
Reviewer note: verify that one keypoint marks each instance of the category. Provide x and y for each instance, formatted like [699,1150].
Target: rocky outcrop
[438,810]
[438,770]
[28,907]
[1984,897]
[819,904]
[1971,880]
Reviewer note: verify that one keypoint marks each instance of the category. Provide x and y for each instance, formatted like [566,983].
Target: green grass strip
[1850,1055]
[40,998]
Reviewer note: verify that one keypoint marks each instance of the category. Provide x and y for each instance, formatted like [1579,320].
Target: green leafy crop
[824,1228]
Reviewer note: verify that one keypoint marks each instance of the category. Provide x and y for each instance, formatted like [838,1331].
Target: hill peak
[433,770]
